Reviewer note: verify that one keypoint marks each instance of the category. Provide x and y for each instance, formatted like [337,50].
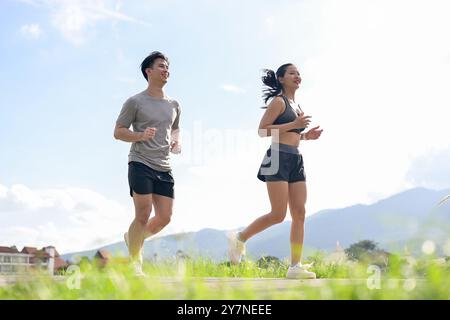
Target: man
[155,120]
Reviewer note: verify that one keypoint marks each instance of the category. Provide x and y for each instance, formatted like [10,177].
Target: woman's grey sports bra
[288,115]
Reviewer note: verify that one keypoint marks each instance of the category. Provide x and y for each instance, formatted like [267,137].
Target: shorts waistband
[285,148]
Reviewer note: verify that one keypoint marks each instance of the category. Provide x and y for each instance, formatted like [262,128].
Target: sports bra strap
[286,101]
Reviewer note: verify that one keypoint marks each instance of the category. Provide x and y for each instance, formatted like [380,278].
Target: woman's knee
[277,216]
[298,214]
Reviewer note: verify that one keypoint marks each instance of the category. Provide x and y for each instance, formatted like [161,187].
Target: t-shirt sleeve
[128,113]
[176,122]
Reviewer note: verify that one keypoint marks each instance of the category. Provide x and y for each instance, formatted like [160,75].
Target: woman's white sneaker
[137,268]
[299,272]
[236,248]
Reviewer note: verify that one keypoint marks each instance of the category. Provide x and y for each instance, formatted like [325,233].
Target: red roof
[29,250]
[60,263]
[41,254]
[103,254]
[9,250]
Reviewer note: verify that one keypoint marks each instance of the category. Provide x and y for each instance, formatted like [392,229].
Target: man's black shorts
[282,162]
[145,180]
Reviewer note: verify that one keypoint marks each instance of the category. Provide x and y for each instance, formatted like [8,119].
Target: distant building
[181,255]
[13,261]
[338,256]
[102,257]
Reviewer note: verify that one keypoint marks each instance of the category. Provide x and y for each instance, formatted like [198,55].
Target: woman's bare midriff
[290,138]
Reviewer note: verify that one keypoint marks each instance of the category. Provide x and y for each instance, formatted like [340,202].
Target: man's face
[159,73]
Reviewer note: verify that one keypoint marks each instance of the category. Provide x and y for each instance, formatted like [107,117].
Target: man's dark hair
[150,60]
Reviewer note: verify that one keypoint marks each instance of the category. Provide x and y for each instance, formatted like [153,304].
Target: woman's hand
[302,121]
[313,133]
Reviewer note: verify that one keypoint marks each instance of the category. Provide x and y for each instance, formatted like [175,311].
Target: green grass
[419,279]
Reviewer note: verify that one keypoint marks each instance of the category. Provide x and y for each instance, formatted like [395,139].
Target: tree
[84,263]
[268,261]
[366,250]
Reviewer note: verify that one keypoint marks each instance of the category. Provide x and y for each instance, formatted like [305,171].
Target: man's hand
[175,142]
[175,147]
[148,134]
[313,133]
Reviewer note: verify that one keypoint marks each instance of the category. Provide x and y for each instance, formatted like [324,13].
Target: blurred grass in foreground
[423,278]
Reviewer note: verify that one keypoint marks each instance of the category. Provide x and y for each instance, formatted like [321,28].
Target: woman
[282,167]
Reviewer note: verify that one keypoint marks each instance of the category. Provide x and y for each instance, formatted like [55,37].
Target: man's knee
[165,219]
[143,214]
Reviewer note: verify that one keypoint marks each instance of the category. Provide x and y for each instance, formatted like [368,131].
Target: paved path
[256,283]
[6,280]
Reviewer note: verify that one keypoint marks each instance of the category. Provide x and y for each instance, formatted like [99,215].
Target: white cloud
[3,192]
[71,219]
[431,170]
[76,19]
[232,88]
[32,31]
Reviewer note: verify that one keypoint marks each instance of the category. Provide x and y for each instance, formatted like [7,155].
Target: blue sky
[375,77]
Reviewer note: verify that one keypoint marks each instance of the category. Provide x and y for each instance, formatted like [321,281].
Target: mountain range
[398,223]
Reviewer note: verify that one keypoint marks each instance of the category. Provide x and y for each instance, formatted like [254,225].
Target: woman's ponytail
[273,87]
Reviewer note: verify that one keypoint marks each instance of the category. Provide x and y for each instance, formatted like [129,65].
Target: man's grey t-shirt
[142,111]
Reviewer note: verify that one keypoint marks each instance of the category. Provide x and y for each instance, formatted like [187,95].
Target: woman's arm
[275,108]
[312,134]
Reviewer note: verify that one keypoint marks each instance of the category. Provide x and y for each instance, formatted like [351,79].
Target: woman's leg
[278,195]
[297,201]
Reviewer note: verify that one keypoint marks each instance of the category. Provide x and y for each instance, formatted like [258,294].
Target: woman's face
[291,78]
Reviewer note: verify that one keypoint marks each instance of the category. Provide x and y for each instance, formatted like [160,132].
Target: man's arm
[125,134]
[175,136]
[175,141]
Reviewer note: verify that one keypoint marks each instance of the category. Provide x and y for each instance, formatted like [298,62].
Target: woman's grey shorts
[282,162]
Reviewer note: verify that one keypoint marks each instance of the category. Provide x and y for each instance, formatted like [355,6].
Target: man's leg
[163,213]
[143,208]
